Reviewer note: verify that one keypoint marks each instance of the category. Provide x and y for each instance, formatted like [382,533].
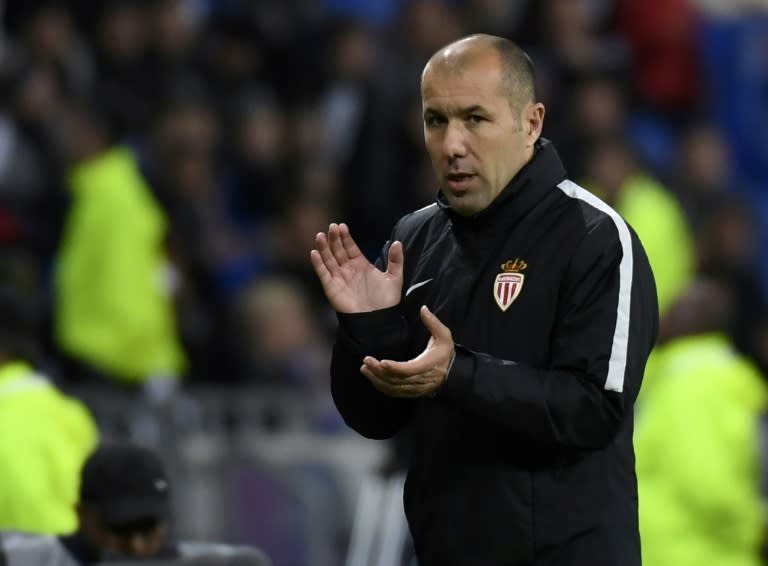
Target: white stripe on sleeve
[618,361]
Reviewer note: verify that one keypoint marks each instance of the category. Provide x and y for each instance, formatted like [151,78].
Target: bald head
[517,79]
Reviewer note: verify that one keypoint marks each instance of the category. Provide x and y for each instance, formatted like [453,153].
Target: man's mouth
[459,182]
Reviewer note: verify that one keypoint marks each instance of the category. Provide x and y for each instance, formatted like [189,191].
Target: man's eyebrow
[475,108]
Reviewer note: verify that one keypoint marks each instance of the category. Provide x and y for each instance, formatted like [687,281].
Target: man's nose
[454,142]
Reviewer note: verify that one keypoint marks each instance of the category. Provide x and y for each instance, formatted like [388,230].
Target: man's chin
[463,208]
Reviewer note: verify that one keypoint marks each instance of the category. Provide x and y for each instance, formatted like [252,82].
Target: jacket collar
[539,176]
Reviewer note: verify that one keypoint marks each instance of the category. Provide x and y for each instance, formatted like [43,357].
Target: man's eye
[475,119]
[432,121]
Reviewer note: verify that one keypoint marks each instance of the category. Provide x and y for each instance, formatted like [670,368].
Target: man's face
[475,139]
[143,539]
[143,543]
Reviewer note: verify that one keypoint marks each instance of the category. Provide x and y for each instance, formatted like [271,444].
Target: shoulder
[413,223]
[595,213]
[603,236]
[25,548]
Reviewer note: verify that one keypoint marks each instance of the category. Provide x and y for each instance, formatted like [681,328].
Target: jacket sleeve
[384,335]
[606,325]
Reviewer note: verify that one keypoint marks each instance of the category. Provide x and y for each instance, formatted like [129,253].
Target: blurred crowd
[166,164]
[247,126]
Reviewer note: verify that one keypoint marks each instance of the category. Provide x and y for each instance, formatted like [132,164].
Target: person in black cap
[123,518]
[123,513]
[124,506]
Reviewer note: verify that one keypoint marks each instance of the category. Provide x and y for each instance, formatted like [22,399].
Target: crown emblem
[513,265]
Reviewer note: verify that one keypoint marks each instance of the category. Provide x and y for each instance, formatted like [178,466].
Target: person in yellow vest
[45,436]
[697,440]
[652,210]
[114,308]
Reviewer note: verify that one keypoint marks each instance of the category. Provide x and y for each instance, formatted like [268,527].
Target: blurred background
[165,165]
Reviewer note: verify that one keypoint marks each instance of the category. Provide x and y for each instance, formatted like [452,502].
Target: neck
[526,159]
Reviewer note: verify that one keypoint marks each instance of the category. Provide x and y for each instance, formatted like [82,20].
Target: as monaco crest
[508,284]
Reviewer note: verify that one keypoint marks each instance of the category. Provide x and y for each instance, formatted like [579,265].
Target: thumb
[436,328]
[395,259]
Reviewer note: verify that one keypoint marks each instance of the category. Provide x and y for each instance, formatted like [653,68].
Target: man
[123,511]
[525,308]
[123,516]
[45,435]
[701,439]
[121,323]
[651,209]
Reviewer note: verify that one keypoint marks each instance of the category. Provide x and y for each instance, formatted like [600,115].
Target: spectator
[596,110]
[697,440]
[654,213]
[296,228]
[123,514]
[114,311]
[122,510]
[30,172]
[45,436]
[727,247]
[50,39]
[123,80]
[124,505]
[704,174]
[282,343]
[282,346]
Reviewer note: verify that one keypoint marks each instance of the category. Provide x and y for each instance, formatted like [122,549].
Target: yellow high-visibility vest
[113,307]
[45,438]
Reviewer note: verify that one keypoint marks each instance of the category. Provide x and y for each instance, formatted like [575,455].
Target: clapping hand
[351,283]
[421,376]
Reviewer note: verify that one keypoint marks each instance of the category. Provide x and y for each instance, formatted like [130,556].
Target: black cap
[126,483]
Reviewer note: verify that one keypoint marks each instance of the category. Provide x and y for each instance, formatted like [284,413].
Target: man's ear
[533,121]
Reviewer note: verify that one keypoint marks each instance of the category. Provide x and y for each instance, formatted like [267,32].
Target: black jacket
[525,455]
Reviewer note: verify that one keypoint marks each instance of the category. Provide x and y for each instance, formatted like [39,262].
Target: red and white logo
[506,288]
[508,284]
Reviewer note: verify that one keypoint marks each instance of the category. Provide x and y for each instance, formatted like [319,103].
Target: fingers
[319,266]
[350,246]
[324,251]
[436,328]
[335,243]
[395,259]
[332,248]
[414,386]
[435,358]
[418,365]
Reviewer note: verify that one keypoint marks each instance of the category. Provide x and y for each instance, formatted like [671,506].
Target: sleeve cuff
[371,329]
[458,383]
